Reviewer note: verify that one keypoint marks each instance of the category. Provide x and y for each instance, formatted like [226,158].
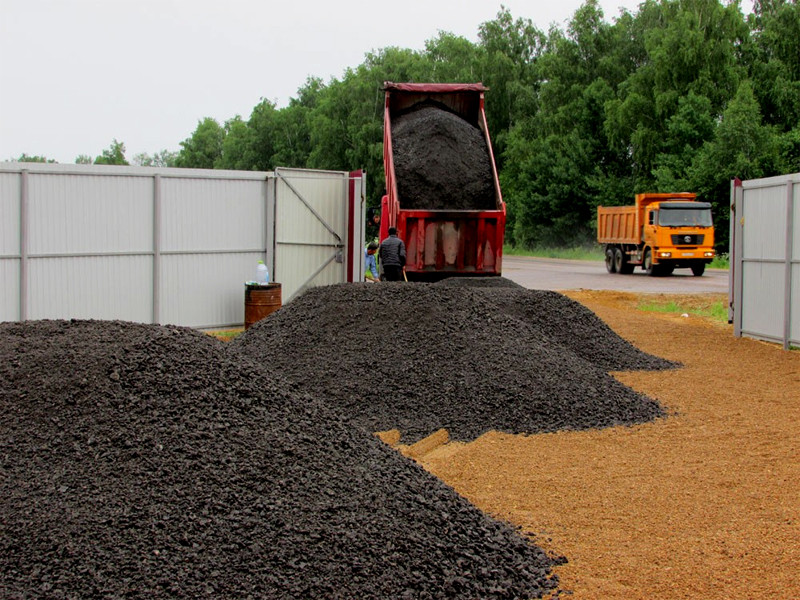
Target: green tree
[33,159]
[509,51]
[262,128]
[685,46]
[204,148]
[742,147]
[293,139]
[557,165]
[165,158]
[687,130]
[236,147]
[453,58]
[83,159]
[113,155]
[776,65]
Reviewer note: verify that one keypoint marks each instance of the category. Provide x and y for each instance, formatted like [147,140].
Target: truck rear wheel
[618,260]
[621,262]
[698,269]
[611,266]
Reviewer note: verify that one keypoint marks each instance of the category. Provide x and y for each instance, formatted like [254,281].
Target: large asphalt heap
[419,357]
[567,322]
[149,462]
[441,162]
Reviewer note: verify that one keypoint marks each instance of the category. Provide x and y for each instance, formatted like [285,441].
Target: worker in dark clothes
[393,256]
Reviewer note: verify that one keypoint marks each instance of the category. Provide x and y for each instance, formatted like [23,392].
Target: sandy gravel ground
[702,504]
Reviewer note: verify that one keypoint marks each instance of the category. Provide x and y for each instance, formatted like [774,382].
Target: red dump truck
[660,233]
[442,190]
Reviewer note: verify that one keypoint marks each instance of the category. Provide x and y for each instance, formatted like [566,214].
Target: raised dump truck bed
[442,190]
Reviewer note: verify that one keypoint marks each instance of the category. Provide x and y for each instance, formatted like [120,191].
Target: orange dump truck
[660,233]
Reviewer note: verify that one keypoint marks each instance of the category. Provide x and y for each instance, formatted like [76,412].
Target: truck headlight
[708,254]
[665,254]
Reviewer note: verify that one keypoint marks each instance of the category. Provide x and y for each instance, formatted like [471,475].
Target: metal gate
[315,231]
[765,246]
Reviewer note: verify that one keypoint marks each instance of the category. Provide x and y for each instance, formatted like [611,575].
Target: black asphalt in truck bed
[153,462]
[441,162]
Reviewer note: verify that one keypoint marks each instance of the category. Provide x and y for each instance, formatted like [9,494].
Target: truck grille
[692,239]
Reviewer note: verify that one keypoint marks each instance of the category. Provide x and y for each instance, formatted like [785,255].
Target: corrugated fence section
[765,244]
[166,245]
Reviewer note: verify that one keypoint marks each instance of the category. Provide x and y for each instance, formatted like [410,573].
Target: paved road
[555,274]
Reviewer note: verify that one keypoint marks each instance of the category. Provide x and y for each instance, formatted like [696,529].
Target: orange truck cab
[660,233]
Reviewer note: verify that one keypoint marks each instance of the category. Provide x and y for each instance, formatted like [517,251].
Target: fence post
[23,245]
[787,314]
[157,249]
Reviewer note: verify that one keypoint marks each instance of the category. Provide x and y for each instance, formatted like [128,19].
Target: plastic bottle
[262,273]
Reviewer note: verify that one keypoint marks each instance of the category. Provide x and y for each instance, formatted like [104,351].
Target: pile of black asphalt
[441,162]
[468,357]
[143,461]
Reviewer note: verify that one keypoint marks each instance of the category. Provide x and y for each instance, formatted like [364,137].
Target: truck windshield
[685,217]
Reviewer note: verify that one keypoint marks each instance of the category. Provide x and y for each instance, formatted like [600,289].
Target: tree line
[681,95]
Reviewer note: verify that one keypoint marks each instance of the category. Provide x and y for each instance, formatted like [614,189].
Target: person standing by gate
[393,256]
[371,267]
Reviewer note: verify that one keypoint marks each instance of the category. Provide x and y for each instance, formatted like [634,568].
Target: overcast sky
[75,74]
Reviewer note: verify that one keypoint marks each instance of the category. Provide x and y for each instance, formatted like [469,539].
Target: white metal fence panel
[213,215]
[762,299]
[794,314]
[765,248]
[89,214]
[213,233]
[89,246]
[205,290]
[91,287]
[311,208]
[9,291]
[764,214]
[763,258]
[10,194]
[9,215]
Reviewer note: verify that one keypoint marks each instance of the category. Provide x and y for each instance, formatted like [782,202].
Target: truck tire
[698,269]
[618,260]
[610,263]
[621,262]
[647,264]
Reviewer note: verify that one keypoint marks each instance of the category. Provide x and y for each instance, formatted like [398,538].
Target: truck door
[649,236]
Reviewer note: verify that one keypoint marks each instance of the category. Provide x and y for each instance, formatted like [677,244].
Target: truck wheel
[647,264]
[698,269]
[619,260]
[627,268]
[610,263]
